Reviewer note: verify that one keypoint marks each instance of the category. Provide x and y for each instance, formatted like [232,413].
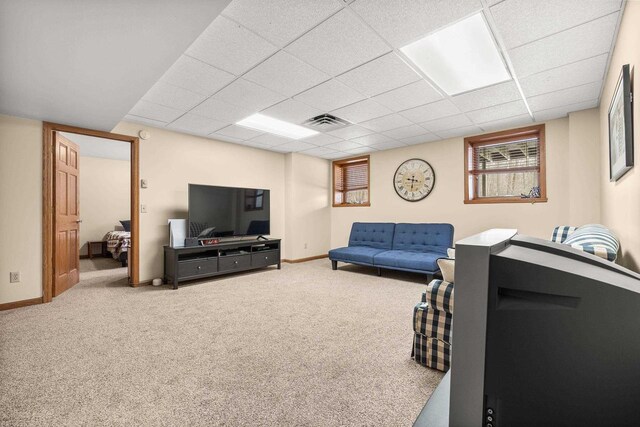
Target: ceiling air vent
[325,123]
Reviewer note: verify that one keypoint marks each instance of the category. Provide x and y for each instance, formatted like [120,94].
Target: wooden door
[66,249]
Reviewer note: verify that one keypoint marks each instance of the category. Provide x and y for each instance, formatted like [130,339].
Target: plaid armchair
[432,319]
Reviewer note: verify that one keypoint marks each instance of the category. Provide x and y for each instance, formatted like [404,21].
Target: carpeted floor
[101,263]
[301,346]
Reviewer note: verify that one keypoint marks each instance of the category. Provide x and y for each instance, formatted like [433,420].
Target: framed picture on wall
[621,127]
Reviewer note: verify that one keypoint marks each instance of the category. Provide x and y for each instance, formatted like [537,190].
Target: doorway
[61,208]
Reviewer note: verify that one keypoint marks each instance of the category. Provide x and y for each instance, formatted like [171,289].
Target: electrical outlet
[143,208]
[14,277]
[305,246]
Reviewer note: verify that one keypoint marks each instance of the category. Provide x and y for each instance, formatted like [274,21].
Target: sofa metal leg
[334,265]
[379,272]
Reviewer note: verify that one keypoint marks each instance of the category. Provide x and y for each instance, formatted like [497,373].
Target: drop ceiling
[296,59]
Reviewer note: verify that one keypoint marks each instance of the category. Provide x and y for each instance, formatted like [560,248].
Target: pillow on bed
[126,224]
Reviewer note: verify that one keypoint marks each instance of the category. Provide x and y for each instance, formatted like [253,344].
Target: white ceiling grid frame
[354,131]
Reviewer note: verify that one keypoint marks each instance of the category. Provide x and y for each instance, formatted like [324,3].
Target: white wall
[446,201]
[105,196]
[21,208]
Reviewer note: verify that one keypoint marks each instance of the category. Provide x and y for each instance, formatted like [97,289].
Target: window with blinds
[506,167]
[351,182]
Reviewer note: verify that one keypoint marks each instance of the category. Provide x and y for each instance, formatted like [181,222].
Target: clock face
[414,180]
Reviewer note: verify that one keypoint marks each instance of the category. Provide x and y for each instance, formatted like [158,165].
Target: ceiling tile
[509,123]
[230,47]
[142,120]
[350,132]
[421,139]
[445,123]
[380,75]
[173,96]
[372,139]
[322,139]
[340,43]
[388,145]
[361,111]
[360,150]
[381,124]
[488,96]
[343,145]
[409,96]
[585,41]
[292,111]
[219,110]
[196,124]
[576,74]
[271,140]
[432,111]
[227,138]
[498,112]
[401,22]
[293,146]
[405,132]
[574,95]
[280,21]
[329,96]
[149,110]
[248,95]
[523,21]
[239,132]
[558,112]
[335,155]
[194,75]
[319,151]
[463,131]
[286,74]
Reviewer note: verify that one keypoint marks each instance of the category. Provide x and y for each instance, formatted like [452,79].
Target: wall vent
[325,123]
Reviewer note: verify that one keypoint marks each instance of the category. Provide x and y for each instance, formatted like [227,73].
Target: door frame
[48,202]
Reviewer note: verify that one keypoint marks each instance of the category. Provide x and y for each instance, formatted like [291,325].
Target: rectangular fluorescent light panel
[278,127]
[460,57]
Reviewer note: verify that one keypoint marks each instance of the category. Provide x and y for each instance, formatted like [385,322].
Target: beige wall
[620,201]
[105,196]
[21,203]
[445,203]
[584,167]
[170,161]
[308,206]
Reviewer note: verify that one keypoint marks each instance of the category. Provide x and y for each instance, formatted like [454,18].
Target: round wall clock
[414,180]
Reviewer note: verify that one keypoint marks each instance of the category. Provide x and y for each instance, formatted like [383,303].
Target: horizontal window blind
[351,181]
[506,157]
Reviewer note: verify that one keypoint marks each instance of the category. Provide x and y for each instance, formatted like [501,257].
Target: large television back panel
[563,341]
[558,343]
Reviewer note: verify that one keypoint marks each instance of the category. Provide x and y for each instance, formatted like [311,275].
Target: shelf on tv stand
[197,262]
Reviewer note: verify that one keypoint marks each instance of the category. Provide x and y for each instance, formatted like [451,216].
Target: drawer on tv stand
[264,258]
[197,266]
[235,262]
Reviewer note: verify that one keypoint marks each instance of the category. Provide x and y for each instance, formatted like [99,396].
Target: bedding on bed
[118,242]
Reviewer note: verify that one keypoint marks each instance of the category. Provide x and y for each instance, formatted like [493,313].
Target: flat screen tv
[227,212]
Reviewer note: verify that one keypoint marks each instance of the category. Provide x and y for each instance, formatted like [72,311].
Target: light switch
[143,208]
[143,183]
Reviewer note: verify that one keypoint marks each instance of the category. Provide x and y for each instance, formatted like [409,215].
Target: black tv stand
[197,262]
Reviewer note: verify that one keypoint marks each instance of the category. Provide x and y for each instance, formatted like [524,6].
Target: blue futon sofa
[406,247]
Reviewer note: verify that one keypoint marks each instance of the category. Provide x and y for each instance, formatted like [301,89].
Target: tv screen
[219,212]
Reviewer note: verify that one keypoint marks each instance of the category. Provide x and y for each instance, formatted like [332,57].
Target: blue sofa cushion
[377,235]
[357,254]
[408,260]
[423,237]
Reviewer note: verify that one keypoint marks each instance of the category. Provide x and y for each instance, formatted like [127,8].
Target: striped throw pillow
[595,239]
[561,233]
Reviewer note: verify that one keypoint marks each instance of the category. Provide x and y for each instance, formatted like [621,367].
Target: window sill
[504,200]
[352,205]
